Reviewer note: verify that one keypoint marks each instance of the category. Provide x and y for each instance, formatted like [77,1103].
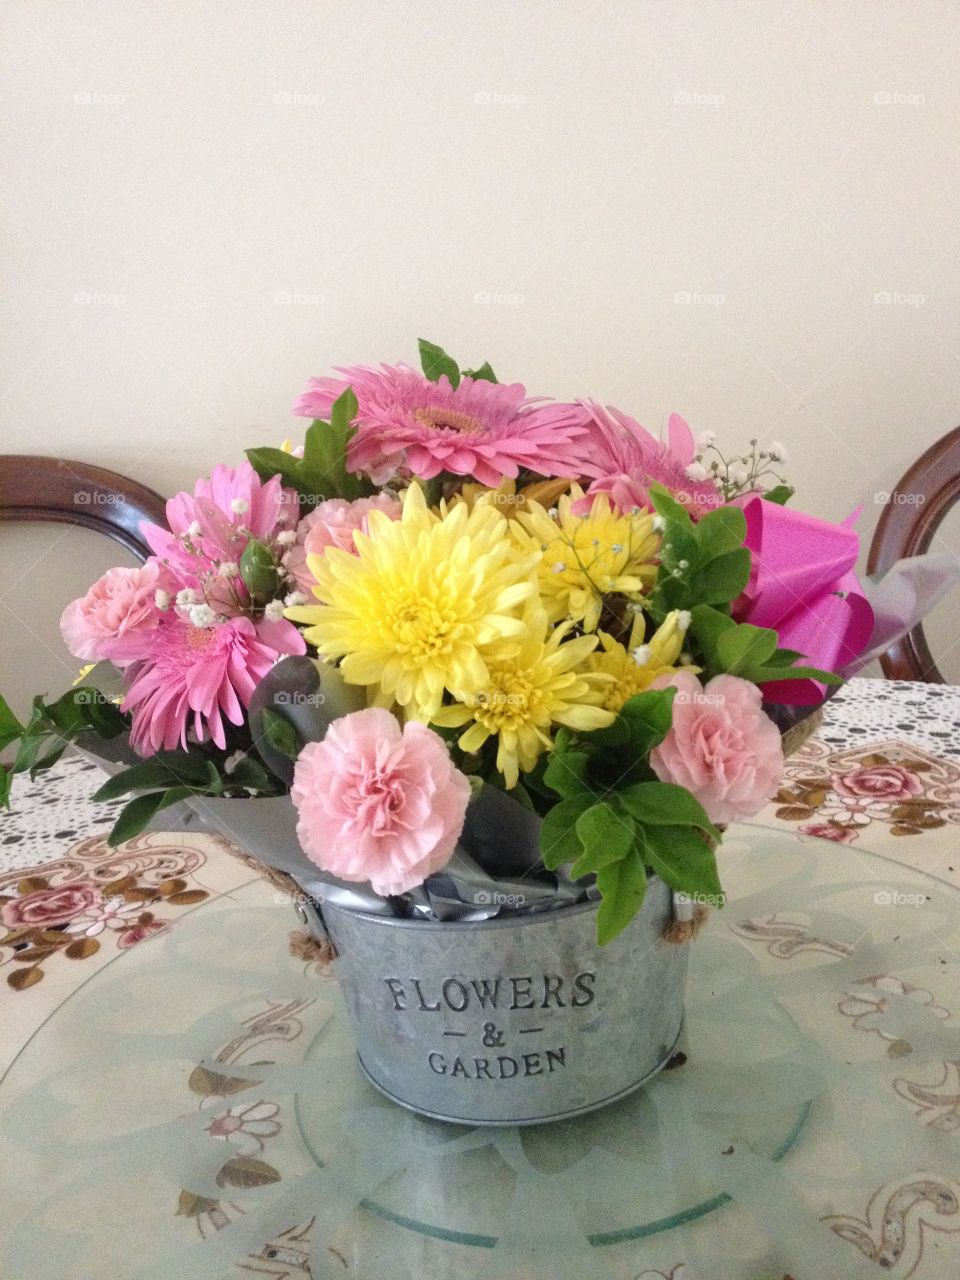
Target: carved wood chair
[67,492]
[907,527]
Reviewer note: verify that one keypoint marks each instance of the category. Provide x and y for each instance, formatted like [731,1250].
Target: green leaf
[622,886]
[46,761]
[721,530]
[744,646]
[648,717]
[10,726]
[663,804]
[483,374]
[281,734]
[667,506]
[251,774]
[780,494]
[684,860]
[160,771]
[6,783]
[707,625]
[559,841]
[136,815]
[566,771]
[722,579]
[606,836]
[275,462]
[772,671]
[435,362]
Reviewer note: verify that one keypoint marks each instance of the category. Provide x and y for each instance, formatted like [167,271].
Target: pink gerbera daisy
[198,675]
[482,429]
[625,459]
[210,528]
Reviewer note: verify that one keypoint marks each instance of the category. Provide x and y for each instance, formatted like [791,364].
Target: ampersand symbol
[492,1038]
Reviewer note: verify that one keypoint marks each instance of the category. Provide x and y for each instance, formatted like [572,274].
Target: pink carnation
[111,619]
[379,803]
[332,524]
[722,746]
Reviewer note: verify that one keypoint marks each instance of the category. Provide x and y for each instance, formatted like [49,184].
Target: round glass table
[195,1109]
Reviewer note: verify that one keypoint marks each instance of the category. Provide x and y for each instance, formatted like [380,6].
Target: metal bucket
[514,1020]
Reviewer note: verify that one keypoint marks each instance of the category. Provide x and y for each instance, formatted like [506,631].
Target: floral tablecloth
[882,775]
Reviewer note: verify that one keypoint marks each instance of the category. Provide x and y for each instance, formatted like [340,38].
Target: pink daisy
[199,675]
[625,459]
[212,526]
[482,429]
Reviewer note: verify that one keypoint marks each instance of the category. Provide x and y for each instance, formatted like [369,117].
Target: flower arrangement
[481,590]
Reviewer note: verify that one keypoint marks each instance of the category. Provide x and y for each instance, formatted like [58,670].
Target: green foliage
[700,562]
[51,728]
[171,776]
[435,363]
[749,652]
[780,494]
[483,374]
[281,734]
[616,821]
[322,471]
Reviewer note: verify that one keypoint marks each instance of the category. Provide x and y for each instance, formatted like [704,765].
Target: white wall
[533,182]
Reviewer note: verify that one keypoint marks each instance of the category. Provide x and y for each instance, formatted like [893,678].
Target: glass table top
[195,1109]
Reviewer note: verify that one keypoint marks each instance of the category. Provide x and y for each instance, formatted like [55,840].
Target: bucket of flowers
[480,678]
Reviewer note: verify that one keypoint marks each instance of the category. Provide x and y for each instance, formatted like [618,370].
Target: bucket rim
[498,922]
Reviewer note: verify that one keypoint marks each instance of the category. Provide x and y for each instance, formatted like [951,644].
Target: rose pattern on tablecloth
[836,795]
[73,906]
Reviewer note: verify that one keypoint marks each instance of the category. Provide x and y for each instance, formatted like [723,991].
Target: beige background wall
[746,212]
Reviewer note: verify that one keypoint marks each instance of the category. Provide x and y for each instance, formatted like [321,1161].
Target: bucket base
[473,1122]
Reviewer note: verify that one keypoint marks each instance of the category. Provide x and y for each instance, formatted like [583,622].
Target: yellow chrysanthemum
[585,557]
[423,604]
[541,684]
[634,667]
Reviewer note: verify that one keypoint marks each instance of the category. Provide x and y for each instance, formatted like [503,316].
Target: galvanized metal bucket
[515,1020]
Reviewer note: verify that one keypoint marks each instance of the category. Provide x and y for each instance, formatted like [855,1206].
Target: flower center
[448,420]
[199,638]
[510,699]
[421,629]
